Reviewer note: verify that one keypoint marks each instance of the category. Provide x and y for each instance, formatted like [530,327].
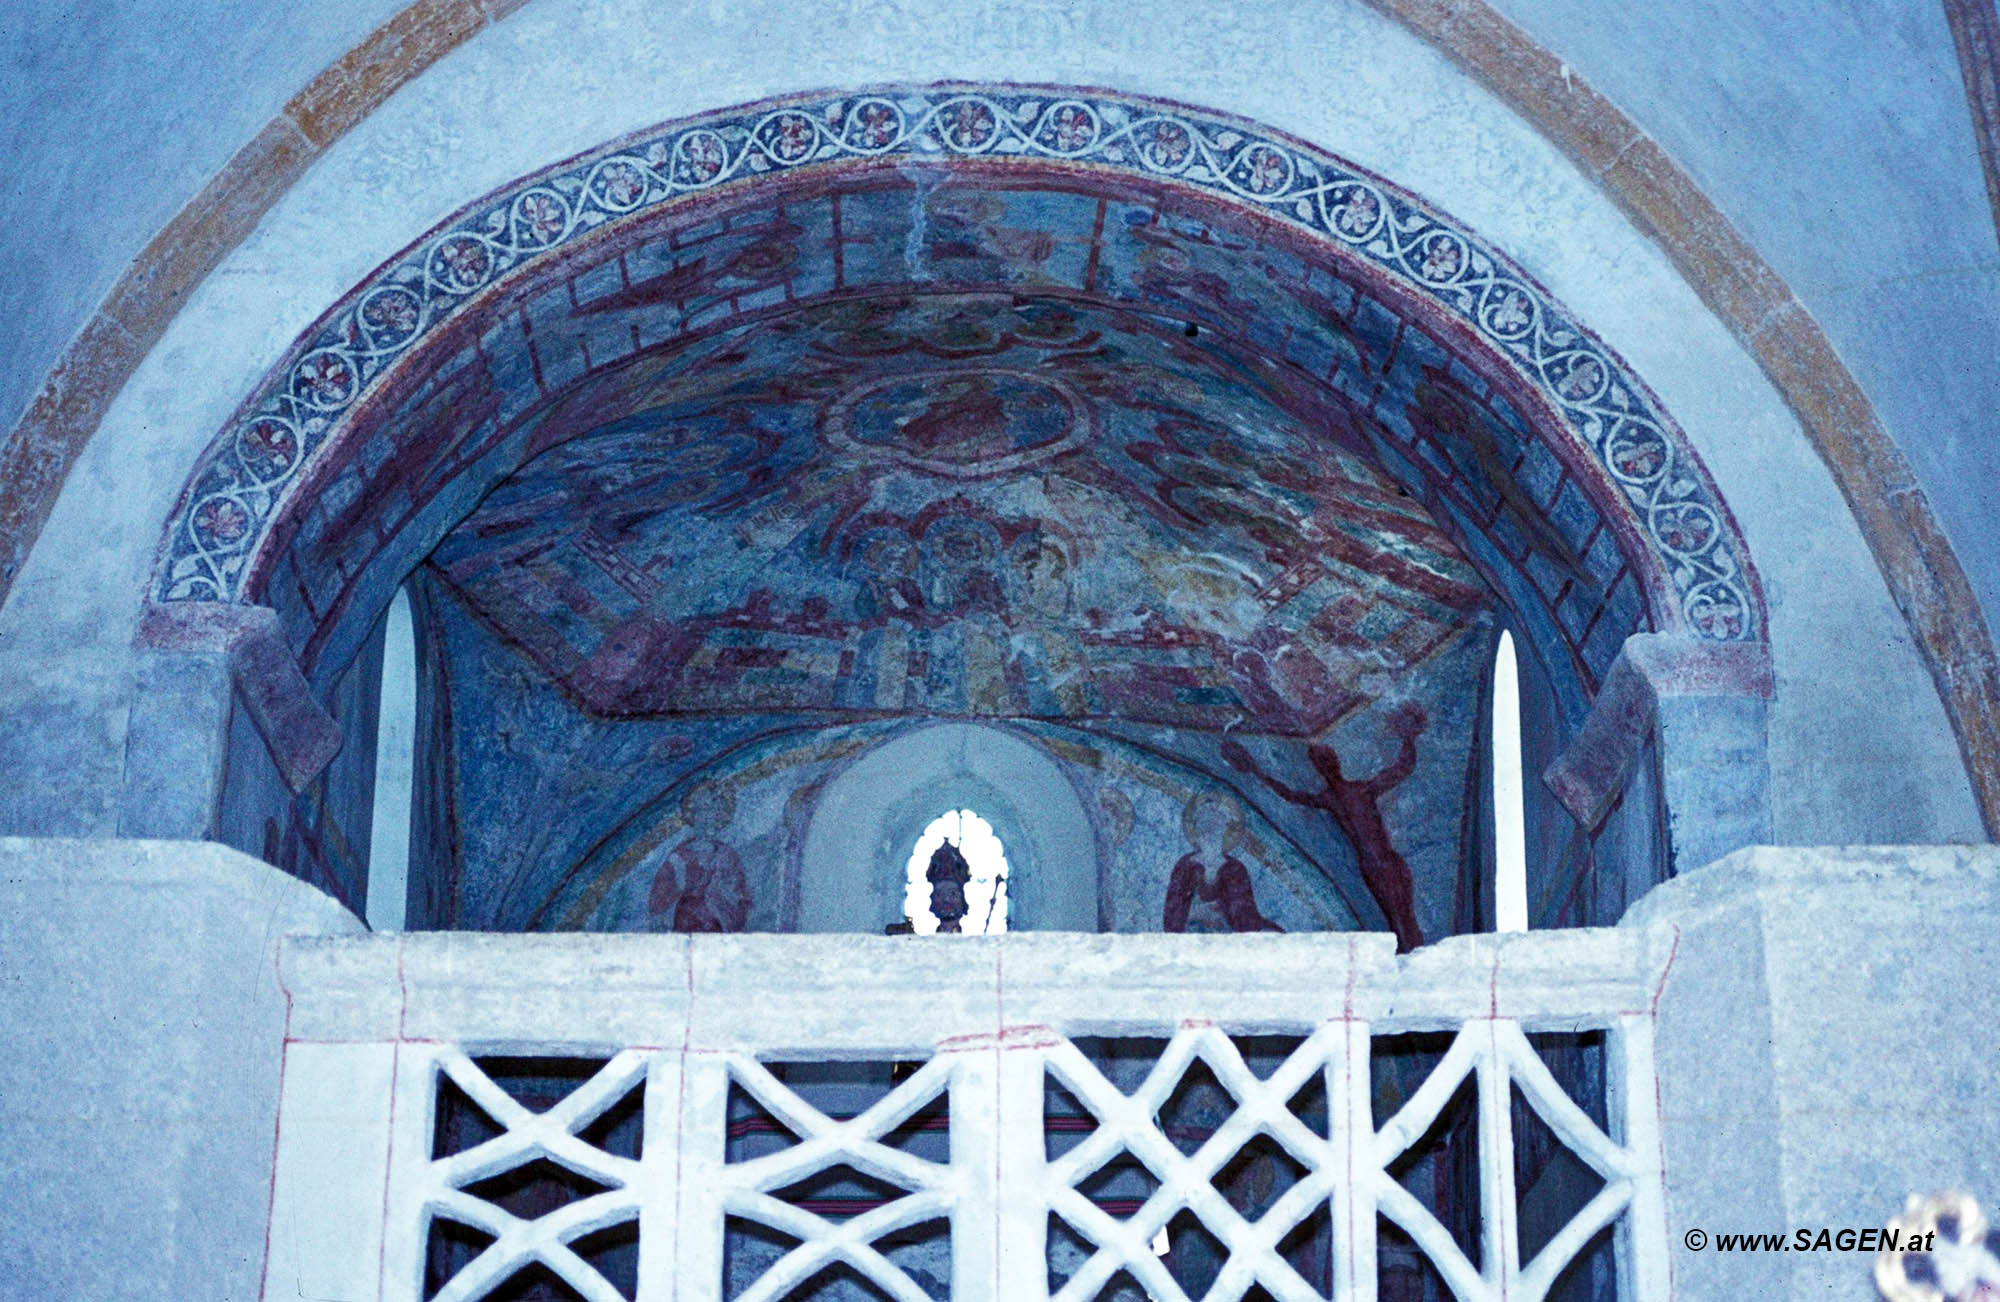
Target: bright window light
[1510,837]
[395,772]
[985,893]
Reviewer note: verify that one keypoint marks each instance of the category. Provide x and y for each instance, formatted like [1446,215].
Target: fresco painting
[699,885]
[913,276]
[632,820]
[1151,568]
[1356,806]
[1131,510]
[1210,890]
[610,890]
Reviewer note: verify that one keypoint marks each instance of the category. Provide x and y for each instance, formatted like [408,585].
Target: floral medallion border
[243,481]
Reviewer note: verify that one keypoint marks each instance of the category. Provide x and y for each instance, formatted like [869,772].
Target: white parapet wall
[143,1033]
[382,1027]
[1827,1047]
[1799,1038]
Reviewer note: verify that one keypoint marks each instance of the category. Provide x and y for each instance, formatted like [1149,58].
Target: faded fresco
[699,822]
[882,310]
[1131,524]
[1129,527]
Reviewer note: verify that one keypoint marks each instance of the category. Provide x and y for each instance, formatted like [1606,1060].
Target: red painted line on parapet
[1665,972]
[1347,1096]
[395,1089]
[999,1052]
[278,1121]
[1499,1213]
[1659,1094]
[680,1113]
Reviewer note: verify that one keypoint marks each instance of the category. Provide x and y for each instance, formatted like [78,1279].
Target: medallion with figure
[962,422]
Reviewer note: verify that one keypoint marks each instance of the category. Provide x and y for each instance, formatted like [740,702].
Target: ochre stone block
[180,257]
[1800,360]
[37,458]
[1721,265]
[1581,122]
[373,70]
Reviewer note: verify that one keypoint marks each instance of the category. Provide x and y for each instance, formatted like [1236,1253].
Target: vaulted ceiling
[964,503]
[1125,372]
[959,443]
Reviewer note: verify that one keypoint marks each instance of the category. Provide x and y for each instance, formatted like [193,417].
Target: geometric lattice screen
[852,1149]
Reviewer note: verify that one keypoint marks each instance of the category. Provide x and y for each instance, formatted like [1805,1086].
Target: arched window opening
[395,771]
[957,878]
[1510,839]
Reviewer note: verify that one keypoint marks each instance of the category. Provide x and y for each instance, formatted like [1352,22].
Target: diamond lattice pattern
[1499,1056]
[754,1189]
[1187,1180]
[526,1139]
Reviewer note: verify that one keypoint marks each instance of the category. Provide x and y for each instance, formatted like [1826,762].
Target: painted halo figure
[700,885]
[889,587]
[1210,888]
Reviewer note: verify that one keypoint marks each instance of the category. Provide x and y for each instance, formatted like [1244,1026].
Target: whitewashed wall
[141,1030]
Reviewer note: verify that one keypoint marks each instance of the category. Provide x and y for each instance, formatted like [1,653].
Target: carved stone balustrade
[404,1130]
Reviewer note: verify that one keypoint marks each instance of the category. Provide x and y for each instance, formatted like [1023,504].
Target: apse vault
[1198,464]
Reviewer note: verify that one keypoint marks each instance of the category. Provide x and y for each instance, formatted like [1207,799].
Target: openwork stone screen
[1067,1117]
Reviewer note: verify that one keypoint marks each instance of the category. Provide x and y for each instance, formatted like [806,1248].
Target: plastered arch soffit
[1922,573]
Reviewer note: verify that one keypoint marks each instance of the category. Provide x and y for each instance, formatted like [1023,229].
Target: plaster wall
[871,813]
[598,68]
[1838,140]
[73,69]
[1848,991]
[139,1089]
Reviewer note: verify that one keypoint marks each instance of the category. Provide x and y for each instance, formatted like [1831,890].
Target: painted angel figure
[700,885]
[1210,888]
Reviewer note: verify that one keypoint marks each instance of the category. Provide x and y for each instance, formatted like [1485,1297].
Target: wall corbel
[1704,704]
[194,661]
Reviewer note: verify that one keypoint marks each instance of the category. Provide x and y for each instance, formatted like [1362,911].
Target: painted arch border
[281,438]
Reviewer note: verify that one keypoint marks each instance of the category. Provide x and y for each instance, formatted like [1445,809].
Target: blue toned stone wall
[1825,1051]
[321,834]
[77,73]
[144,1030]
[1839,141]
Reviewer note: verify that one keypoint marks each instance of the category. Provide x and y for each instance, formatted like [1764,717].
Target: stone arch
[311,453]
[1451,372]
[1898,779]
[867,818]
[1744,291]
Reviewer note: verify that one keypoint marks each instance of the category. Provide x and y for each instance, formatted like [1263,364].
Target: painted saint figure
[1210,888]
[700,885]
[1045,660]
[889,587]
[1355,804]
[962,580]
